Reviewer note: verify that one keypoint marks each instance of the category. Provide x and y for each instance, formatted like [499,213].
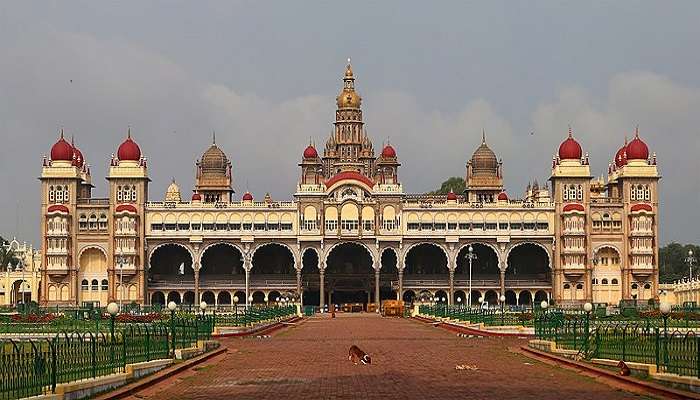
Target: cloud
[173,112]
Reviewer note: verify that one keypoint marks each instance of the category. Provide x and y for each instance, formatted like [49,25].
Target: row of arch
[221,218]
[491,296]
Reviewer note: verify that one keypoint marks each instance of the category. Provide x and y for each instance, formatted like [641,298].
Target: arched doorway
[221,262]
[388,273]
[409,296]
[158,298]
[528,262]
[258,297]
[174,297]
[223,298]
[273,297]
[525,298]
[460,297]
[188,298]
[273,267]
[441,297]
[425,264]
[491,297]
[607,276]
[349,275]
[208,297]
[310,278]
[169,265]
[93,266]
[21,292]
[511,298]
[484,268]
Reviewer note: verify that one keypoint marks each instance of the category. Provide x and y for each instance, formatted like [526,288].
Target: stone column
[399,295]
[451,293]
[322,291]
[299,284]
[247,287]
[376,287]
[196,282]
[503,283]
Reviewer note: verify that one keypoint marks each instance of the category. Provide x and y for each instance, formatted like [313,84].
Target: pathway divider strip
[612,378]
[261,330]
[468,330]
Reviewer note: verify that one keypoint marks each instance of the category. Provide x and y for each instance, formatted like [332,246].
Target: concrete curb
[260,330]
[159,376]
[642,386]
[469,331]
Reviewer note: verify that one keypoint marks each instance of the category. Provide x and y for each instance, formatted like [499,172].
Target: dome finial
[483,136]
[570,133]
[61,132]
[213,137]
[636,131]
[128,132]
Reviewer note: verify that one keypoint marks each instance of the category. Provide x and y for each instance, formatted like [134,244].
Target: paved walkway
[410,360]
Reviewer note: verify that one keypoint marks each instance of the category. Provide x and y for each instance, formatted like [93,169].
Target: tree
[7,256]
[672,264]
[455,184]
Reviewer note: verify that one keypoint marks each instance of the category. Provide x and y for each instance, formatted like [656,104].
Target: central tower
[349,147]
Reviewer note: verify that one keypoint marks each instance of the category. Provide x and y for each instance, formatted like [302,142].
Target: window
[170,227]
[503,226]
[491,226]
[579,193]
[516,226]
[257,227]
[579,286]
[647,286]
[567,286]
[52,195]
[210,227]
[286,226]
[94,285]
[529,225]
[223,227]
[84,284]
[464,226]
[349,224]
[413,226]
[452,226]
[614,281]
[595,281]
[183,227]
[156,227]
[604,281]
[105,284]
[83,224]
[133,193]
[478,226]
[331,225]
[635,286]
[246,227]
[102,223]
[93,222]
[120,197]
[542,226]
[369,225]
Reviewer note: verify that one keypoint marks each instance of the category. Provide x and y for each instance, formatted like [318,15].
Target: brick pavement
[410,361]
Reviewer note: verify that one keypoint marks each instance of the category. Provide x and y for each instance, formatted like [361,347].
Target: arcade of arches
[222,275]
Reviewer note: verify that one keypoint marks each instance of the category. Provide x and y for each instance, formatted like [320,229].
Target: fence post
[697,356]
[52,344]
[656,349]
[624,342]
[93,347]
[148,345]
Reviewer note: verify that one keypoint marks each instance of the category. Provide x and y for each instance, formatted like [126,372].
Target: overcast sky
[264,75]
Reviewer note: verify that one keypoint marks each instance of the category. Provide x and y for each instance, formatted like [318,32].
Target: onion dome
[348,97]
[310,152]
[484,161]
[637,149]
[214,161]
[78,159]
[502,196]
[129,150]
[62,150]
[570,149]
[451,196]
[196,197]
[388,151]
[247,197]
[173,192]
[621,155]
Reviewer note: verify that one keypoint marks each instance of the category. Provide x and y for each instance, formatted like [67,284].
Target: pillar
[503,283]
[322,292]
[247,287]
[376,287]
[399,295]
[451,293]
[298,284]
[196,282]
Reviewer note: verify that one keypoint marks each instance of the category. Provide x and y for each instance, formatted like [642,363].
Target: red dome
[503,196]
[637,149]
[451,196]
[621,156]
[62,150]
[573,207]
[78,159]
[126,208]
[247,197]
[196,197]
[310,152]
[570,149]
[388,152]
[57,208]
[641,207]
[129,150]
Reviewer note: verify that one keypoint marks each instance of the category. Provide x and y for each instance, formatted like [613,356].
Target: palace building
[350,233]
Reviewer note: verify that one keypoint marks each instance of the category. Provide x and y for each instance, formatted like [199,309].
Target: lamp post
[471,256]
[235,307]
[120,261]
[690,260]
[172,306]
[588,307]
[112,310]
[665,309]
[502,299]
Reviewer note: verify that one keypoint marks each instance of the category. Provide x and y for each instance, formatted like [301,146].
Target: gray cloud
[265,111]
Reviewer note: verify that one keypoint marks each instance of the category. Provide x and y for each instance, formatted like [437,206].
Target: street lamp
[502,299]
[235,307]
[588,307]
[690,260]
[203,306]
[172,306]
[471,256]
[112,310]
[544,304]
[665,309]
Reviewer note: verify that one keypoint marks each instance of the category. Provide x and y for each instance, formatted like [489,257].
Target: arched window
[66,195]
[647,286]
[565,193]
[604,281]
[579,286]
[105,284]
[647,193]
[567,286]
[614,281]
[94,285]
[84,284]
[52,194]
[635,286]
[579,192]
